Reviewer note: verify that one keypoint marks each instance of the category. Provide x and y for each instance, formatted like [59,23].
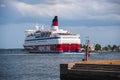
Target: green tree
[109,47]
[114,47]
[105,48]
[97,47]
[84,46]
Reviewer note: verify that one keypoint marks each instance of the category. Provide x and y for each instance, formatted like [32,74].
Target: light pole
[87,50]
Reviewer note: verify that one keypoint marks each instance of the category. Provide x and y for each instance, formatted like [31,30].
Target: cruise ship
[51,40]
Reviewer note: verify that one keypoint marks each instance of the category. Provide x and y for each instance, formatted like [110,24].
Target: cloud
[70,9]
[114,1]
[41,10]
[2,5]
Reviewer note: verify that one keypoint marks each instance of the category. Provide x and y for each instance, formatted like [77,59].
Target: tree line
[98,47]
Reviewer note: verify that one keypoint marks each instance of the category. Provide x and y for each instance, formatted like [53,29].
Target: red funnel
[55,21]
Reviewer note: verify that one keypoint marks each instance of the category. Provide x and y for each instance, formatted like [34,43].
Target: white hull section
[54,44]
[53,40]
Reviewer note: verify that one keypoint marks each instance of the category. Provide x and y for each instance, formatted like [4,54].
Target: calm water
[20,65]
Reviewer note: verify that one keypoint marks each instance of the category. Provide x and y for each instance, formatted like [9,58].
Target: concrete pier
[91,70]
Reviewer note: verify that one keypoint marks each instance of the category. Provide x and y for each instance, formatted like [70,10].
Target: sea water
[21,65]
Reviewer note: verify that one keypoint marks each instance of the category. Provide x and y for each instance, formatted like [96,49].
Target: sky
[98,19]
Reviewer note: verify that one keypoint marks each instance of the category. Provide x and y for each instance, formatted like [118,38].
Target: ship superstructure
[52,40]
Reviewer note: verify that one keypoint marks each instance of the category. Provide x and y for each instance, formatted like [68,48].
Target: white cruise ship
[52,40]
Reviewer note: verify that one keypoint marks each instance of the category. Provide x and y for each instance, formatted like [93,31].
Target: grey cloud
[114,1]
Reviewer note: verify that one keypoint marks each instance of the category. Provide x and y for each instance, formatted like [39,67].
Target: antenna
[37,27]
[42,27]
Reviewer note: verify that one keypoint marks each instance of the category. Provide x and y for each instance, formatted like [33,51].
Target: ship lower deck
[54,48]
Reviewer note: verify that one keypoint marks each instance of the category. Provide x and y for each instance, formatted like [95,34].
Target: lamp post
[87,50]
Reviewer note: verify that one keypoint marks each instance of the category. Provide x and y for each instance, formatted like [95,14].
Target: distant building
[119,47]
[93,47]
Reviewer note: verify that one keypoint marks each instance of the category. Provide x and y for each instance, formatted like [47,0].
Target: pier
[91,70]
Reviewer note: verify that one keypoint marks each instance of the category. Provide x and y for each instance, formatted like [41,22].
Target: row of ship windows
[54,36]
[39,35]
[42,39]
[70,37]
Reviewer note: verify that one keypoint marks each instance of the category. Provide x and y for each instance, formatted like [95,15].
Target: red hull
[54,48]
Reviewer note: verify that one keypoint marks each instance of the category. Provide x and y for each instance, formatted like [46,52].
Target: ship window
[38,31]
[69,37]
[30,35]
[65,33]
[45,34]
